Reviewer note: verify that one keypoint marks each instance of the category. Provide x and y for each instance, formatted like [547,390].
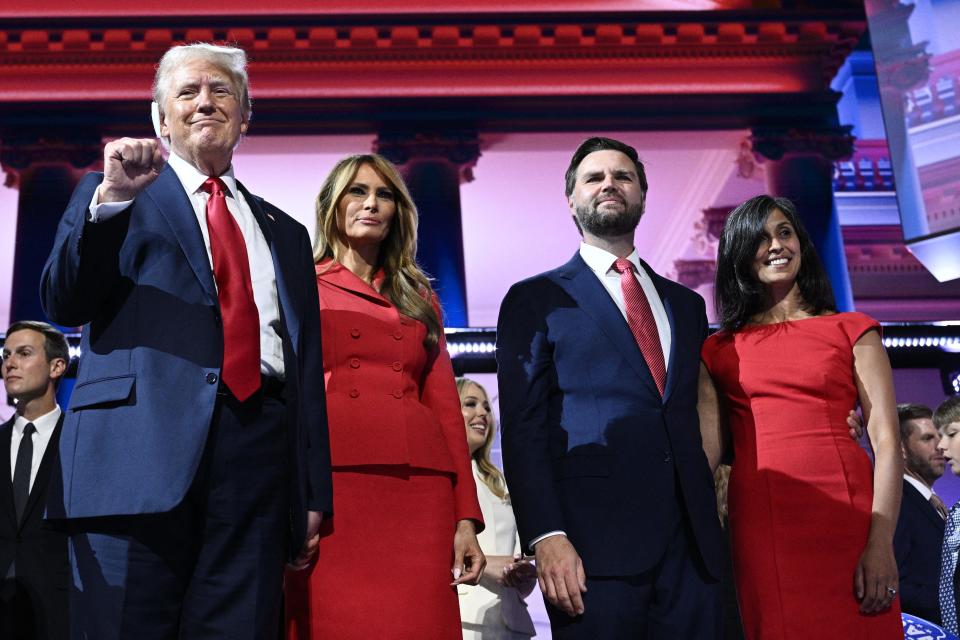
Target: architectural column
[434,165]
[799,166]
[45,166]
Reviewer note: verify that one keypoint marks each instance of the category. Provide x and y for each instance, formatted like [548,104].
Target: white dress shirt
[258,251]
[601,262]
[45,426]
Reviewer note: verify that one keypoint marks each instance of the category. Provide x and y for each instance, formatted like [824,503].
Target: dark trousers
[212,567]
[676,599]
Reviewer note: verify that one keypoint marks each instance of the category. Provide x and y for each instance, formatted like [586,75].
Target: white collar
[924,490]
[601,261]
[45,424]
[192,178]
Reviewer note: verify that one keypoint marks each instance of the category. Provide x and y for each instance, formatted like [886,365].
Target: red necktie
[241,321]
[642,324]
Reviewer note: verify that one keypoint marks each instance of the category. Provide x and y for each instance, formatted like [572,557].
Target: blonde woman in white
[494,609]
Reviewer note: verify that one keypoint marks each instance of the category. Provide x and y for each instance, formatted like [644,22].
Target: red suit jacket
[389,400]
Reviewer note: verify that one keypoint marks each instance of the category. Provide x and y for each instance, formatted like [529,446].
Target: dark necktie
[938,505]
[241,321]
[642,324]
[21,472]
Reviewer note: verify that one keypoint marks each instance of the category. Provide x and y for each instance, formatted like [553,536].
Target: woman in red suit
[403,533]
[811,520]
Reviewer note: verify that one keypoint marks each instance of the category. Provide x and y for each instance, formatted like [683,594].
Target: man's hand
[311,543]
[129,166]
[468,560]
[855,424]
[560,573]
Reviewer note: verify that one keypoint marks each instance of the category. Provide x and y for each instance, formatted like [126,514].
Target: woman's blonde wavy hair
[404,284]
[491,476]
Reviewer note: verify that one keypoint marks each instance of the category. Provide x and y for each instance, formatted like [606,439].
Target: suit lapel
[43,472]
[594,300]
[910,493]
[174,204]
[289,312]
[339,276]
[6,482]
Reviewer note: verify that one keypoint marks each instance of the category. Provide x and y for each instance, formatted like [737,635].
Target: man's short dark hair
[908,411]
[947,413]
[54,342]
[599,143]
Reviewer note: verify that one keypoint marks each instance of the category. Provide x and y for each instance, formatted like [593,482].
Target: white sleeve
[105,210]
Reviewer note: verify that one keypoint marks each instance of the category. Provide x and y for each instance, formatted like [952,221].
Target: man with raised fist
[194,453]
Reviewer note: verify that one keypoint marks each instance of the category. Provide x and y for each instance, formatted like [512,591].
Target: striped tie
[641,321]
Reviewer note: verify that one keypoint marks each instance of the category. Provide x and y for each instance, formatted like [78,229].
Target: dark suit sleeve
[313,406]
[526,380]
[83,266]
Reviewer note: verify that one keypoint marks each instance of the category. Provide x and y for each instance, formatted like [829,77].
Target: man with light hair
[195,458]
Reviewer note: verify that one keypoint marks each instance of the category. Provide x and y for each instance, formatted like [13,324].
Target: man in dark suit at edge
[598,363]
[33,552]
[918,538]
[195,453]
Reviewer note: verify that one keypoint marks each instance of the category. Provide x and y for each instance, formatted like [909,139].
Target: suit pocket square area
[104,391]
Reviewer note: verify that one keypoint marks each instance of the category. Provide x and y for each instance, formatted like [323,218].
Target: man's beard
[921,468]
[611,224]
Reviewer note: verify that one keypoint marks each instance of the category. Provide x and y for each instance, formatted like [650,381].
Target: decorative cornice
[832,143]
[22,150]
[550,54]
[459,148]
[695,273]
[869,169]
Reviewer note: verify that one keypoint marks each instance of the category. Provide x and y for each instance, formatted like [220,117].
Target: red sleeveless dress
[801,490]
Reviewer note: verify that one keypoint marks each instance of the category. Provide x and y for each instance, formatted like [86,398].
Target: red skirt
[383,569]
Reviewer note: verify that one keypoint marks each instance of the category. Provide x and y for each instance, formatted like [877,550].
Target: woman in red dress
[811,520]
[403,532]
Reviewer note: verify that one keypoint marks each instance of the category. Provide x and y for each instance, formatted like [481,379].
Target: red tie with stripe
[642,324]
[241,321]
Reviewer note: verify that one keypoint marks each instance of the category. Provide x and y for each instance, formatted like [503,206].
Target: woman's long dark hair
[738,294]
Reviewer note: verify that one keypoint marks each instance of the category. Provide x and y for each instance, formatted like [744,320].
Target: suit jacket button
[212,378]
[398,394]
[397,366]
[354,363]
[355,333]
[354,393]
[398,335]
[667,457]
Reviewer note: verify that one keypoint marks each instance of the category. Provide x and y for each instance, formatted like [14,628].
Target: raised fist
[129,166]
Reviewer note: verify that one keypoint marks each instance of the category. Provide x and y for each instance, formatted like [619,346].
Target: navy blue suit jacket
[917,544]
[152,348]
[589,447]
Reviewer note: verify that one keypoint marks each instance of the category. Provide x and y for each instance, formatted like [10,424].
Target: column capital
[714,219]
[24,149]
[460,148]
[831,142]
[696,272]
